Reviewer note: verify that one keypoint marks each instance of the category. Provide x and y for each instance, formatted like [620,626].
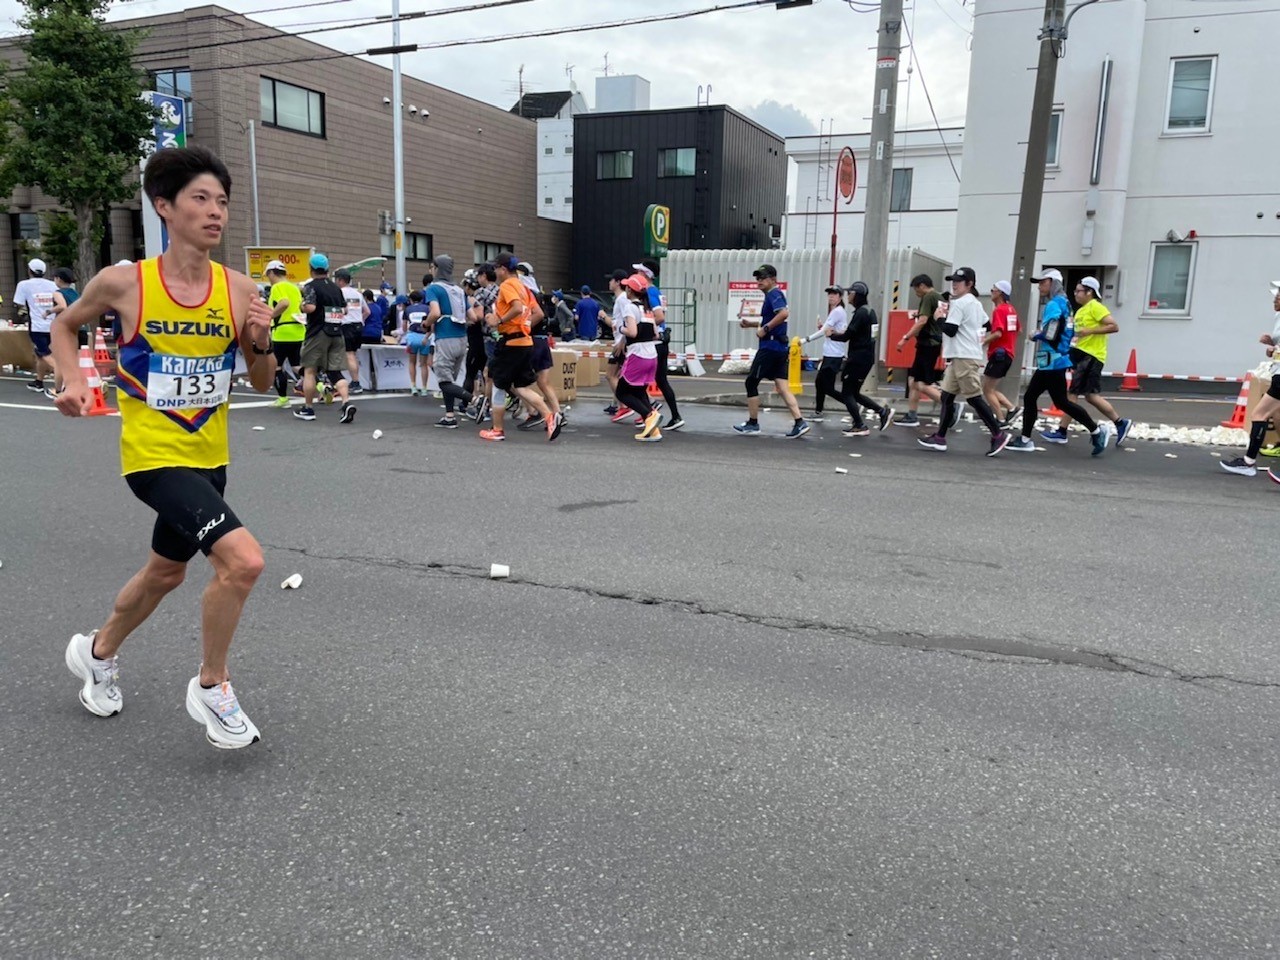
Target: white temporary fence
[710,274]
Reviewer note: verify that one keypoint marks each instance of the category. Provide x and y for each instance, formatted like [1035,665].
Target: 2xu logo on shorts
[209,526]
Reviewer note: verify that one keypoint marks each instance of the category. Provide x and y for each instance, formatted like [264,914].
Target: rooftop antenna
[520,88]
[568,71]
[606,63]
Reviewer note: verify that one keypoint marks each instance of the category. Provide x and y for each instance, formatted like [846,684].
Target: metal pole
[397,134]
[253,175]
[1024,244]
[875,228]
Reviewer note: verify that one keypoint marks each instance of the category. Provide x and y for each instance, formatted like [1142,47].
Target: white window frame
[1179,312]
[1053,157]
[1169,131]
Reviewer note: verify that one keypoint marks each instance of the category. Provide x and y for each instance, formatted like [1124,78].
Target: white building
[1162,178]
[554,113]
[926,191]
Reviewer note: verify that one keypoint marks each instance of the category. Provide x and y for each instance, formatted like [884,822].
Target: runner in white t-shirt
[833,352]
[352,326]
[36,294]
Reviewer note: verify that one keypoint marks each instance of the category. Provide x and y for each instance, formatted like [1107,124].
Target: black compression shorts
[191,515]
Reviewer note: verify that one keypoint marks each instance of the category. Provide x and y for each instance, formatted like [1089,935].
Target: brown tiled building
[324,154]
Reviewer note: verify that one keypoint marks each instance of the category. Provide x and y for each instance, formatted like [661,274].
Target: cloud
[817,60]
[784,119]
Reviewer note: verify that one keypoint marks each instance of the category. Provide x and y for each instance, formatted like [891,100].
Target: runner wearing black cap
[770,361]
[859,363]
[963,325]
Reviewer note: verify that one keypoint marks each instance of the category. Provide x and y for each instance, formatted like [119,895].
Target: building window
[548,151]
[677,162]
[417,246]
[1169,285]
[568,201]
[568,151]
[175,83]
[1055,139]
[615,165]
[25,226]
[546,201]
[1190,95]
[900,194]
[292,108]
[488,252]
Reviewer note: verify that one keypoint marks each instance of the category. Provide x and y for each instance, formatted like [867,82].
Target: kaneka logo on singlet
[188,328]
[209,526]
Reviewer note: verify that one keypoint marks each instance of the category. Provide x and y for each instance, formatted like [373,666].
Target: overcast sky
[792,70]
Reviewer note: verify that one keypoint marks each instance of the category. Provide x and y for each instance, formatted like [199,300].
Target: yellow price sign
[295,259]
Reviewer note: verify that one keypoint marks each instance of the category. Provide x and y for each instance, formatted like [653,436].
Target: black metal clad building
[723,176]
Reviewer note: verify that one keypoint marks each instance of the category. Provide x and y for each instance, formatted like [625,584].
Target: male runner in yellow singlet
[183,318]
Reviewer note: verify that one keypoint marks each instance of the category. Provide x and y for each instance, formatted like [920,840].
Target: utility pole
[1026,301]
[397,135]
[1053,38]
[875,228]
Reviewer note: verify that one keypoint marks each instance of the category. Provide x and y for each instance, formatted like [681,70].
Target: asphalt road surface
[729,704]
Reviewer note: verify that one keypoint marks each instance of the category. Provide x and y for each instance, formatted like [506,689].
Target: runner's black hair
[169,171]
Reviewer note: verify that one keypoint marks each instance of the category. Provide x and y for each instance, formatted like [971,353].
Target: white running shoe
[225,725]
[100,694]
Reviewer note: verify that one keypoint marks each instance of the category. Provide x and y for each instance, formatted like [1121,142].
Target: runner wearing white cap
[36,295]
[1001,342]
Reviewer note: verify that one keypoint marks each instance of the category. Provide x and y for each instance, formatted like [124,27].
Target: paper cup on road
[377,434]
[841,470]
[293,583]
[499,571]
[259,428]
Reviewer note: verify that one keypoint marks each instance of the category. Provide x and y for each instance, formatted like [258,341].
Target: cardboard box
[589,370]
[16,349]
[564,374]
[1257,388]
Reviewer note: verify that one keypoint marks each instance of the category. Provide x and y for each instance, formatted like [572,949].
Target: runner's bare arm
[255,331]
[114,288]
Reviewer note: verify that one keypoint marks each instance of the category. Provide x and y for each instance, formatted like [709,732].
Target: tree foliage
[76,120]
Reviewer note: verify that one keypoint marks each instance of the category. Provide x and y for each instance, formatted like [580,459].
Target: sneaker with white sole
[100,692]
[1239,466]
[675,423]
[1123,426]
[225,725]
[1021,444]
[907,420]
[798,430]
[1054,436]
[750,426]
[305,413]
[886,417]
[348,413]
[280,402]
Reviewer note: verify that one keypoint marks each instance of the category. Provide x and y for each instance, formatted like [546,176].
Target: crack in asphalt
[1025,652]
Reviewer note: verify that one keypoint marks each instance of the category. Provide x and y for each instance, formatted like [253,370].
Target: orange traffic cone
[102,357]
[1130,381]
[1052,410]
[1241,412]
[94,382]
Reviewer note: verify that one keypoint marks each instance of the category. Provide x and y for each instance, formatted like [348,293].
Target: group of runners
[183,318]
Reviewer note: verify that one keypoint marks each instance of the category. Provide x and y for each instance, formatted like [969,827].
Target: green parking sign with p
[657,230]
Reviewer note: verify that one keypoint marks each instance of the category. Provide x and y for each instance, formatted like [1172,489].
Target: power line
[277,34]
[473,41]
[911,40]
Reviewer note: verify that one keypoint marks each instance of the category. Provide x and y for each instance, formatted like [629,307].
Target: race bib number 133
[189,383]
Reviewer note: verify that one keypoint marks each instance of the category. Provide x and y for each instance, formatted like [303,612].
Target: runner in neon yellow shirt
[1093,323]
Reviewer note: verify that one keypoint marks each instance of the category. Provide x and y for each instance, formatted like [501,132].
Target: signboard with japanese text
[295,260]
[746,300]
[169,131]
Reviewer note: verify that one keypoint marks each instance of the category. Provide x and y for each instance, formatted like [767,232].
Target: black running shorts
[998,365]
[1086,378]
[542,354]
[512,367]
[770,365]
[1274,390]
[924,368]
[191,515]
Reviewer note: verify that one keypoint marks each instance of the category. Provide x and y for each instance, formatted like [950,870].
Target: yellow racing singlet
[175,376]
